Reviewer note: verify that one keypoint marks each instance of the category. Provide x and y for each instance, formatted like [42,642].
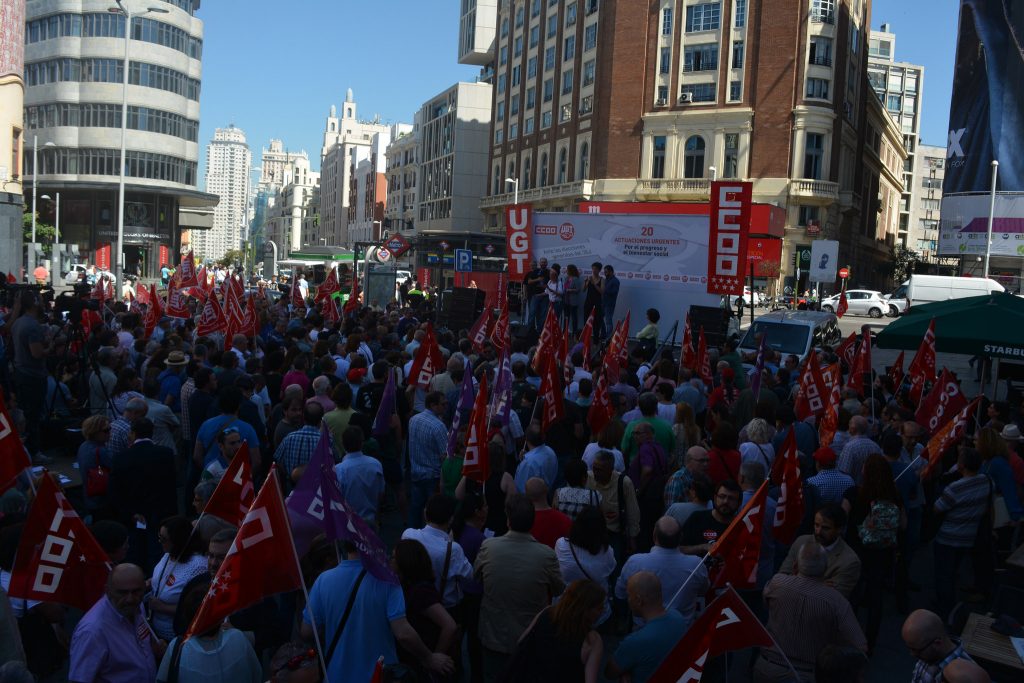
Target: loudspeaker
[462,307]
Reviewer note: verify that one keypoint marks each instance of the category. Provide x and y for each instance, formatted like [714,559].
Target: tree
[44,232]
[231,257]
[902,263]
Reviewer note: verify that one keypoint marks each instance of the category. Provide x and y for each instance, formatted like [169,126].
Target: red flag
[622,345]
[703,359]
[922,368]
[177,302]
[481,328]
[212,318]
[261,561]
[428,361]
[896,372]
[378,671]
[830,420]
[847,349]
[790,510]
[234,310]
[296,295]
[586,339]
[476,464]
[842,307]
[601,410]
[155,312]
[943,402]
[11,279]
[352,304]
[186,272]
[832,375]
[499,335]
[946,437]
[252,318]
[611,356]
[548,341]
[58,560]
[739,546]
[551,392]
[726,625]
[810,397]
[329,287]
[563,346]
[13,458]
[142,295]
[861,365]
[687,356]
[233,496]
[201,278]
[329,309]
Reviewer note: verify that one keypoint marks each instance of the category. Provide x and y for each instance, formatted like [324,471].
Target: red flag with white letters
[922,368]
[481,328]
[940,405]
[551,393]
[476,464]
[329,287]
[261,561]
[948,435]
[896,372]
[842,307]
[234,494]
[187,271]
[790,509]
[499,335]
[739,546]
[601,410]
[848,349]
[687,356]
[726,625]
[810,397]
[549,340]
[155,312]
[428,361]
[212,318]
[13,457]
[58,559]
[861,365]
[703,359]
[177,301]
[586,339]
[830,420]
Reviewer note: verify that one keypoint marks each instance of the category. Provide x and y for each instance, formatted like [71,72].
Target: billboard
[963,228]
[727,247]
[517,242]
[661,260]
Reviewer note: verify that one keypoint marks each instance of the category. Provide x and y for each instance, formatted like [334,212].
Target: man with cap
[171,380]
[830,483]
[1011,435]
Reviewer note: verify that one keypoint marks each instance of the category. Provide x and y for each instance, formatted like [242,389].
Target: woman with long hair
[876,519]
[724,458]
[585,553]
[758,447]
[561,645]
[687,434]
[183,560]
[571,297]
[608,439]
[93,453]
[423,606]
[497,488]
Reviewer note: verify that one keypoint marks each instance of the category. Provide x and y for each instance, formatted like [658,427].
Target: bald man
[549,524]
[112,642]
[925,636]
[640,653]
[857,449]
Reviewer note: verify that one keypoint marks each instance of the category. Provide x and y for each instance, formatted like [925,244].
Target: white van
[792,332]
[926,289]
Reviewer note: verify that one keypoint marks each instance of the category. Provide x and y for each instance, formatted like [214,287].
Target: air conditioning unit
[660,102]
[685,98]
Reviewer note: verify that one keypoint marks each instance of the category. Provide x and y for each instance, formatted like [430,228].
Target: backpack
[880,528]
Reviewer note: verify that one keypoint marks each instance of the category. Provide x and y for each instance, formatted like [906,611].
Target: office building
[228,162]
[283,224]
[12,138]
[73,99]
[402,157]
[927,201]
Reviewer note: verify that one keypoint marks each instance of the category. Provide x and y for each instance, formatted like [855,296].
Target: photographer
[30,345]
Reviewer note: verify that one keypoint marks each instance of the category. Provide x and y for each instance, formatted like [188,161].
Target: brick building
[621,100]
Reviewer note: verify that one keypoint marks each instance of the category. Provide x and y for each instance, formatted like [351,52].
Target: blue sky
[274,69]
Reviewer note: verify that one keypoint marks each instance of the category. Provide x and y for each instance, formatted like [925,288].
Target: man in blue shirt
[428,446]
[360,477]
[540,461]
[609,296]
[640,653]
[376,621]
[206,449]
[171,380]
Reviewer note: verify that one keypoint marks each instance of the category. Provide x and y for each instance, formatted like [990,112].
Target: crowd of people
[582,553]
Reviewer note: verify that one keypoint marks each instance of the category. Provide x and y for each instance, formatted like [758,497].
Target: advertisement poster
[963,229]
[661,260]
[730,225]
[824,261]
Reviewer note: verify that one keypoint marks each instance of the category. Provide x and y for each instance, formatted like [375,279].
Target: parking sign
[463,261]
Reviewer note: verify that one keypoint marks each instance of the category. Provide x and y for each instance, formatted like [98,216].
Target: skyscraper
[228,162]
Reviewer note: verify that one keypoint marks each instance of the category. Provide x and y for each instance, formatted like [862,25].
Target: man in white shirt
[303,286]
[436,538]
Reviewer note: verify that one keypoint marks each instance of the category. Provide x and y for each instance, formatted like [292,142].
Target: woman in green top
[648,336]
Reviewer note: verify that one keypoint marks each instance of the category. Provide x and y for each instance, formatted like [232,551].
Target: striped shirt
[297,448]
[855,454]
[964,502]
[187,389]
[831,485]
[428,444]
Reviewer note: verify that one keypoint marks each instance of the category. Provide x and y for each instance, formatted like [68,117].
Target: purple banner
[382,423]
[466,398]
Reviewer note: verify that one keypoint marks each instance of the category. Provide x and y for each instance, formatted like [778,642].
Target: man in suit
[519,576]
[143,483]
[843,569]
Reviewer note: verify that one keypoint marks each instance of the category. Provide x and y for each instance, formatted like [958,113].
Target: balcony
[820,192]
[581,189]
[676,189]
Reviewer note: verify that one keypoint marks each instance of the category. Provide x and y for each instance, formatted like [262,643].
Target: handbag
[97,478]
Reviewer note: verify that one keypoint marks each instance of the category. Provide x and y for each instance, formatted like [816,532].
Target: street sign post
[463,261]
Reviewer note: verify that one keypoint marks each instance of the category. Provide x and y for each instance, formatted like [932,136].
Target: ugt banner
[518,219]
[727,245]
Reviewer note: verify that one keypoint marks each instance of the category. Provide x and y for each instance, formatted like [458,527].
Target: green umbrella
[990,325]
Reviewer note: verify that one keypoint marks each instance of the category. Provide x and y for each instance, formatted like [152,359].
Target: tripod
[76,333]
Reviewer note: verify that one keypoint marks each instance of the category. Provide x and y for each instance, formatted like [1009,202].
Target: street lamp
[35,177]
[515,189]
[118,260]
[55,252]
[991,214]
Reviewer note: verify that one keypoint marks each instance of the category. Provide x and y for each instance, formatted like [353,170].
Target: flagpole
[916,458]
[672,602]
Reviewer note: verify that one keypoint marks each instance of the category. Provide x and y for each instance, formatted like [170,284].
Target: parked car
[792,332]
[859,302]
[747,297]
[926,289]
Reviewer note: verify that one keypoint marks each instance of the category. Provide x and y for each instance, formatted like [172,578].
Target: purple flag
[316,506]
[501,395]
[466,397]
[382,423]
[755,383]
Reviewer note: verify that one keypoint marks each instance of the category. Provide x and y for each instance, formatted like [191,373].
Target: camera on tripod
[75,302]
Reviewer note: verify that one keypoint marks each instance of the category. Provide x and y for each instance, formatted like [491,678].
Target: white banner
[824,261]
[964,225]
[661,260]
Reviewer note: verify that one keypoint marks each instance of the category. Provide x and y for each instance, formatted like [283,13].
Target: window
[501,83]
[584,161]
[737,54]
[665,63]
[549,58]
[504,27]
[569,48]
[931,183]
[542,171]
[535,9]
[527,172]
[531,67]
[565,113]
[545,120]
[513,108]
[513,131]
[740,13]
[570,14]
[528,126]
[497,180]
[552,25]
[500,113]
[586,104]
[693,157]
[519,16]
[821,51]
[658,157]
[517,49]
[814,155]
[534,35]
[516,72]
[567,81]
[590,37]
[823,11]
[730,169]
[549,89]
[703,17]
[735,91]
[699,92]
[531,97]
[499,136]
[563,165]
[701,57]
[893,103]
[662,94]
[588,72]
[15,161]
[817,88]
[666,21]
[503,55]
[930,204]
[808,214]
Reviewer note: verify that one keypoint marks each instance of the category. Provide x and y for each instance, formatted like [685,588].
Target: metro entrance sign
[397,245]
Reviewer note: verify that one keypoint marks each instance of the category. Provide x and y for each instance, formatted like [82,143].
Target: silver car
[859,302]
